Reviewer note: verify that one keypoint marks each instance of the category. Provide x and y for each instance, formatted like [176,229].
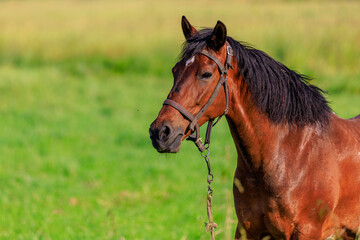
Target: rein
[194,125]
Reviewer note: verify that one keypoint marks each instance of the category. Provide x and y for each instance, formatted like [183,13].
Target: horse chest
[260,210]
[263,215]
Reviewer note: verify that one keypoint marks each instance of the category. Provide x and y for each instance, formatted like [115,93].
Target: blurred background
[81,81]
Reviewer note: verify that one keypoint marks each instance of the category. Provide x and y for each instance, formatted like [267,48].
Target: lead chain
[211,225]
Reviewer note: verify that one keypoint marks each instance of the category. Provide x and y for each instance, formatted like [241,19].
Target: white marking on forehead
[191,60]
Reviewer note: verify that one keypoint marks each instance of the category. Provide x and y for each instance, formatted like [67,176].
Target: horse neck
[256,137]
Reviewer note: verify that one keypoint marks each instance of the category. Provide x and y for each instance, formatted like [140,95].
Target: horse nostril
[164,133]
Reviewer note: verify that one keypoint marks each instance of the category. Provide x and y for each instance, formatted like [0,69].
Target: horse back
[349,126]
[357,118]
[355,125]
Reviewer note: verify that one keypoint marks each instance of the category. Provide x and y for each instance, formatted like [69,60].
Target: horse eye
[206,75]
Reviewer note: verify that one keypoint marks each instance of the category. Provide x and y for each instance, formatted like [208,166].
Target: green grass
[80,83]
[77,161]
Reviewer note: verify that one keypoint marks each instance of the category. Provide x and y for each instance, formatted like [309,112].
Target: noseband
[194,125]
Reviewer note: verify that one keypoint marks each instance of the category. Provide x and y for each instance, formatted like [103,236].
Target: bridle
[194,125]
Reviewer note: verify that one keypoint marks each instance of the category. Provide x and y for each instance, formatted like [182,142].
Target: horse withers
[298,163]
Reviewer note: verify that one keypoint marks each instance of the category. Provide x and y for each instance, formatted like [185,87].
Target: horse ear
[188,30]
[219,35]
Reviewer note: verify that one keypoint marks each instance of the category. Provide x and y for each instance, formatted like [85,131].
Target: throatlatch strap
[208,131]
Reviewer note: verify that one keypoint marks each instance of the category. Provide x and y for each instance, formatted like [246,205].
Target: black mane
[282,94]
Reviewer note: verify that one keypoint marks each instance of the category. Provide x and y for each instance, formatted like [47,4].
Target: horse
[298,163]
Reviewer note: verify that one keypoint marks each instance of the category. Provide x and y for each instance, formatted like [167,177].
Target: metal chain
[211,225]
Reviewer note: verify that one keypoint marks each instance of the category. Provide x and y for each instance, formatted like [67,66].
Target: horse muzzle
[165,138]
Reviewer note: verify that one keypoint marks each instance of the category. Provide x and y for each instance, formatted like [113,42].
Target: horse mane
[284,95]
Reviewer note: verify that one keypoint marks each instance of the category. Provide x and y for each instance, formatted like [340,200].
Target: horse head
[197,95]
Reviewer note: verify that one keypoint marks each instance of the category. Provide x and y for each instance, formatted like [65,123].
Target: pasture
[80,83]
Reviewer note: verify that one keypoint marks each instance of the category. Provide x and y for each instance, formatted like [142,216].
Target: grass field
[80,83]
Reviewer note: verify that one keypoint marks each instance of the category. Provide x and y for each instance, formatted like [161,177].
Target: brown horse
[298,163]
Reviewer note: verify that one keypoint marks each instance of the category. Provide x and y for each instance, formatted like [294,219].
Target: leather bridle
[194,125]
